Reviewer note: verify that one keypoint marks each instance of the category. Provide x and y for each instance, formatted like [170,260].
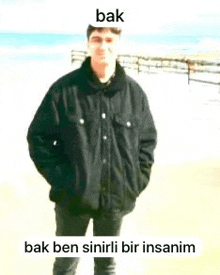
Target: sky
[66,17]
[192,24]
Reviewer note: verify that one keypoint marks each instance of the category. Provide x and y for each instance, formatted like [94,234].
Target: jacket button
[129,124]
[104,161]
[81,121]
[54,142]
[103,115]
[104,137]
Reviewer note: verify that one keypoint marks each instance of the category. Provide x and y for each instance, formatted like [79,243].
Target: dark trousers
[104,224]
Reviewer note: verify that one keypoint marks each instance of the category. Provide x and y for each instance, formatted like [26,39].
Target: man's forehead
[103,33]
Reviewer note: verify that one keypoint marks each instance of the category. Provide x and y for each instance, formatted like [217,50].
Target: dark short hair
[91,29]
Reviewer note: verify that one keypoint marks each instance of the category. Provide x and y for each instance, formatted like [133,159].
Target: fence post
[138,64]
[188,64]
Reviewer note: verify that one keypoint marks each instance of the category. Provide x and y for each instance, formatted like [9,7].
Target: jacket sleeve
[148,141]
[45,146]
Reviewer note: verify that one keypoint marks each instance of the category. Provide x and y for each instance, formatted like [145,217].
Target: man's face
[103,46]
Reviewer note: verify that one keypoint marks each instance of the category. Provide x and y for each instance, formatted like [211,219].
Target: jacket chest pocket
[83,129]
[126,130]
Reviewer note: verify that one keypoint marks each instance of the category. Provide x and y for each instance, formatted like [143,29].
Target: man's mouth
[103,56]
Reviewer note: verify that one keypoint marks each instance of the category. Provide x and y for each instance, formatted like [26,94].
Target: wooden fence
[197,70]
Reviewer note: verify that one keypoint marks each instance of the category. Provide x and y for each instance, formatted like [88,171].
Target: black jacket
[94,143]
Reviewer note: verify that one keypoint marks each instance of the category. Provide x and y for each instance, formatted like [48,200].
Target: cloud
[39,18]
[67,17]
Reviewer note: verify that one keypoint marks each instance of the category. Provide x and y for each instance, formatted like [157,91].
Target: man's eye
[109,40]
[96,40]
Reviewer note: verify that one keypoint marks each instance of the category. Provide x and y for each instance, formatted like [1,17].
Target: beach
[182,198]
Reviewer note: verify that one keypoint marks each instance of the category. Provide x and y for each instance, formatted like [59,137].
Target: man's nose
[103,44]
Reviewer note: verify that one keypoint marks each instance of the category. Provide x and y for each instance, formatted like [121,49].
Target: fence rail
[195,69]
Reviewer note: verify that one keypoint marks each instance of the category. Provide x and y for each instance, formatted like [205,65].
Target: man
[92,139]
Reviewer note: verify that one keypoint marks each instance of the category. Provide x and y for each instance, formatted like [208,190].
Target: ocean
[47,47]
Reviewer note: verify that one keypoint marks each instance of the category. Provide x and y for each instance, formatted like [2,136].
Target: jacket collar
[90,83]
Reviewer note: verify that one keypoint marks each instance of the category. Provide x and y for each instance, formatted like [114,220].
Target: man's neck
[103,71]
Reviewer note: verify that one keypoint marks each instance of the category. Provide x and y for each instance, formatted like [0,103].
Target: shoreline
[212,56]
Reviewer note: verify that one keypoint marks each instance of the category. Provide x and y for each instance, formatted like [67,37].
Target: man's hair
[91,29]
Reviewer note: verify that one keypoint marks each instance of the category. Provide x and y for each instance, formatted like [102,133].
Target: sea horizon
[54,46]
